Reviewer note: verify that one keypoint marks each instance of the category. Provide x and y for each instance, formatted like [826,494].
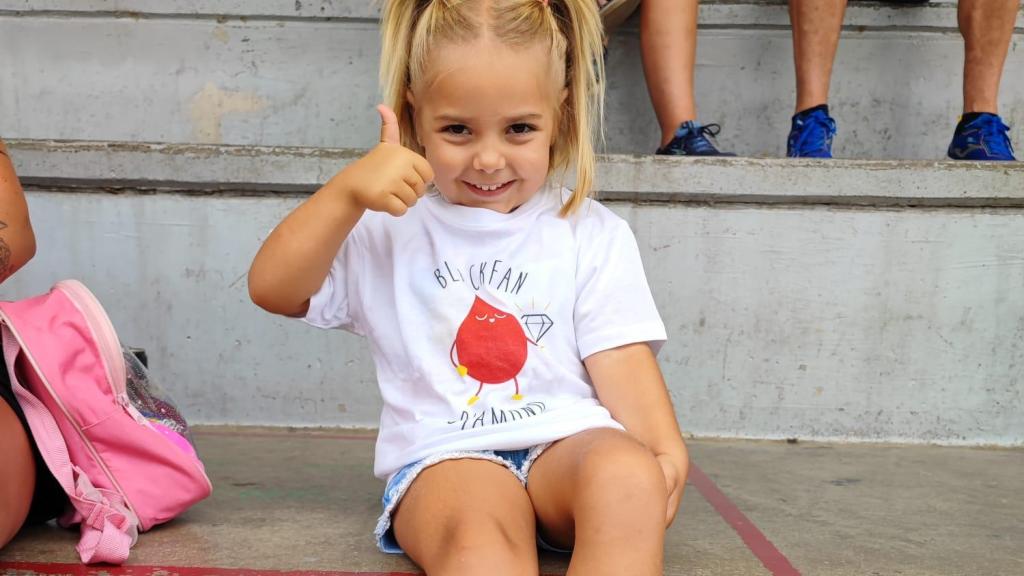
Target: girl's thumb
[389,131]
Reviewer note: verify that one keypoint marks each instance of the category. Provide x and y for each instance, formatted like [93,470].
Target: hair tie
[545,2]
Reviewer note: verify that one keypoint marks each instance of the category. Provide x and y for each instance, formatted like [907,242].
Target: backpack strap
[109,527]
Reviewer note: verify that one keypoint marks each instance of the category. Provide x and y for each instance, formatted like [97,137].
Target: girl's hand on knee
[390,178]
[675,470]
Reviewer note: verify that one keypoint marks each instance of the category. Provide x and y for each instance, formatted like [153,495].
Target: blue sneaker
[984,138]
[811,135]
[691,139]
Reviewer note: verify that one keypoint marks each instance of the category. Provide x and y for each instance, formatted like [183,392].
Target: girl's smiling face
[485,115]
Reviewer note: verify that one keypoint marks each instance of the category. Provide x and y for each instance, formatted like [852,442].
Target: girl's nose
[488,159]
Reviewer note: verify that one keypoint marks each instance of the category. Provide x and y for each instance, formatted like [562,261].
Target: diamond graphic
[537,325]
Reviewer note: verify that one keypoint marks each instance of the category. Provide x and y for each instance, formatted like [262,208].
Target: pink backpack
[121,453]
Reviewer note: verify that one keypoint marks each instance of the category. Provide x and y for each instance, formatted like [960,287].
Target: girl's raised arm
[294,261]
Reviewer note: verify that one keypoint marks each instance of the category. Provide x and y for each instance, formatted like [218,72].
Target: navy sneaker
[691,139]
[811,135]
[984,138]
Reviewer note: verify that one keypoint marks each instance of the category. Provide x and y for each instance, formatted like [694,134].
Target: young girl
[510,319]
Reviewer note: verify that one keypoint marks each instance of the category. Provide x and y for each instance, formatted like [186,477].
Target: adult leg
[603,493]
[468,516]
[816,28]
[17,482]
[668,45]
[987,28]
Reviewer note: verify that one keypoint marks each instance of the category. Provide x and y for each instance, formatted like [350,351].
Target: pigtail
[398,22]
[409,28]
[582,114]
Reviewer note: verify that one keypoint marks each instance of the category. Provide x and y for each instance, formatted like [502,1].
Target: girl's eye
[521,128]
[457,129]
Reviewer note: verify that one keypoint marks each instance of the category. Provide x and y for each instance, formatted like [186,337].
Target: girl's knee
[617,471]
[467,516]
[484,546]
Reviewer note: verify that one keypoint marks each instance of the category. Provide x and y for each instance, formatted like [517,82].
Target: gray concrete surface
[304,500]
[199,168]
[304,74]
[878,510]
[800,307]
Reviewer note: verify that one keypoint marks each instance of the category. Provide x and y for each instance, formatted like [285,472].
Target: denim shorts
[517,461]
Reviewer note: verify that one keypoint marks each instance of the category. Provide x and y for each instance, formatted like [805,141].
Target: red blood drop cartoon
[490,347]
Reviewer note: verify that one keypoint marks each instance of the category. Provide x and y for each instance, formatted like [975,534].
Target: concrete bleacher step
[290,503]
[204,168]
[844,300]
[272,73]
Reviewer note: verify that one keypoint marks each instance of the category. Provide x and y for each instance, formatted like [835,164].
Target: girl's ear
[558,116]
[411,100]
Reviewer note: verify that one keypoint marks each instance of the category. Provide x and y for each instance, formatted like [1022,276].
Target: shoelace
[996,134]
[700,142]
[816,124]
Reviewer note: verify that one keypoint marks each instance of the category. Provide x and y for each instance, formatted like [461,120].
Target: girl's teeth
[488,188]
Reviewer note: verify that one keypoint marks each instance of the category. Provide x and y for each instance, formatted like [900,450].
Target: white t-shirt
[456,299]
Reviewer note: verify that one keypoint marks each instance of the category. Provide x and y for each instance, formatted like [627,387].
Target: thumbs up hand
[391,177]
[390,132]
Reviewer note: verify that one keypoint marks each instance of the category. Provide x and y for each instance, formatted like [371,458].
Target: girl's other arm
[17,241]
[630,385]
[293,262]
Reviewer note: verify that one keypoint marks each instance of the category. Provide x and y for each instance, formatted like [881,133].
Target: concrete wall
[850,300]
[804,308]
[303,73]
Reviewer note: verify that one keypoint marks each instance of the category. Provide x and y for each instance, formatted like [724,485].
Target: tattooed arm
[17,242]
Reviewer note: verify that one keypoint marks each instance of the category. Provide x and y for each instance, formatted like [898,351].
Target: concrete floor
[301,501]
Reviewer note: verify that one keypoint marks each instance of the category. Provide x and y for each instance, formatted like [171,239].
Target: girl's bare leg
[468,517]
[602,493]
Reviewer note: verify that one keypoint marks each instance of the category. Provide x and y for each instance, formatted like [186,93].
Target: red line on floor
[763,549]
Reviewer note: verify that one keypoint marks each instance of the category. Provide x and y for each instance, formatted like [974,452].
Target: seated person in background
[28,492]
[668,44]
[986,26]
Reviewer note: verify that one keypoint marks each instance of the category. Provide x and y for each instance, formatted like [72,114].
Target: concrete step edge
[715,13]
[213,169]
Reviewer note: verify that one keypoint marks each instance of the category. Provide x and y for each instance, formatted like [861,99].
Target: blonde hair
[411,28]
